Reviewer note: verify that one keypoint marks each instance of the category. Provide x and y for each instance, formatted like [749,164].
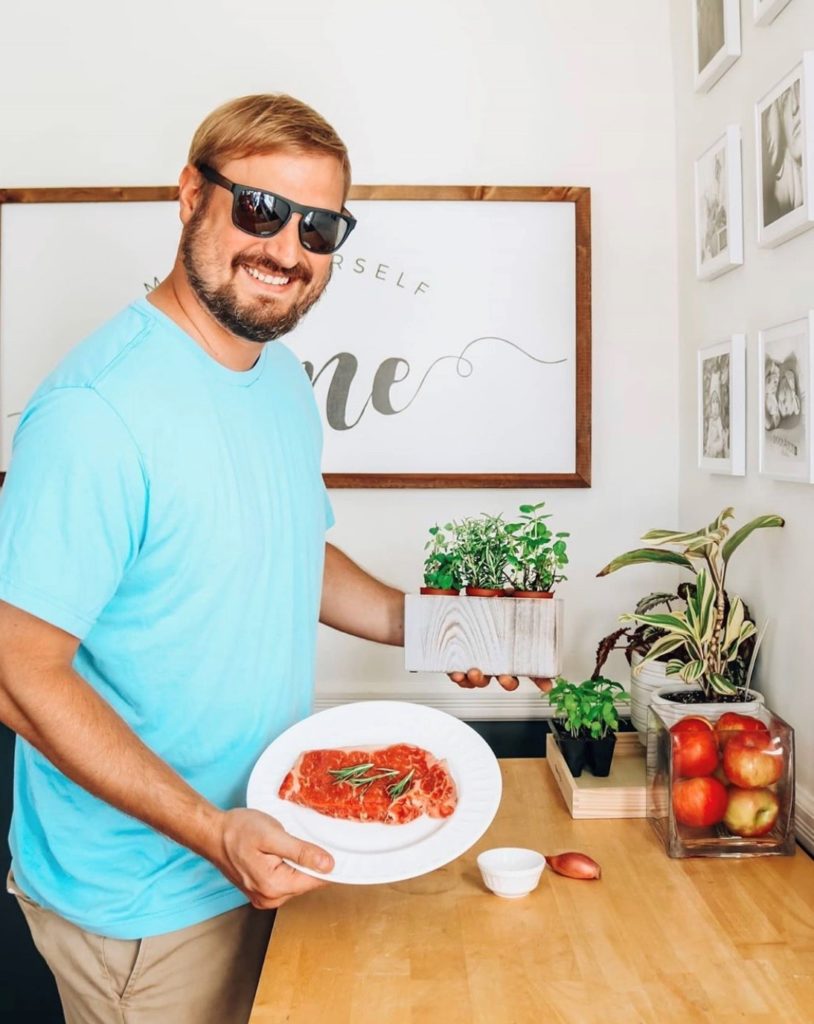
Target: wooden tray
[620,795]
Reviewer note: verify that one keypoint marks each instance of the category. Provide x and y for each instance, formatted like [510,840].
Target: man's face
[259,288]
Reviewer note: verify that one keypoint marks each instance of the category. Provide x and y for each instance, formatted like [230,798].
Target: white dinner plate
[368,853]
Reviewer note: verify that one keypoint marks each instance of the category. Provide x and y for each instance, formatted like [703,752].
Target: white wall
[774,570]
[524,92]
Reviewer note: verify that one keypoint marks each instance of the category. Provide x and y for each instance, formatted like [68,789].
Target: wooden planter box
[499,635]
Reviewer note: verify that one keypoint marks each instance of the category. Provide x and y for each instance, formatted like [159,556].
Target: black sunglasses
[263,214]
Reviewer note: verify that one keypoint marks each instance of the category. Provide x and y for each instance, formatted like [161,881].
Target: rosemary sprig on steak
[355,774]
[399,787]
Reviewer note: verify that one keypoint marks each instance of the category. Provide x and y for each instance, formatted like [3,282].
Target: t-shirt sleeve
[330,518]
[73,509]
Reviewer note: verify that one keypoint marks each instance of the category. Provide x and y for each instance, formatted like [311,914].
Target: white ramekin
[511,871]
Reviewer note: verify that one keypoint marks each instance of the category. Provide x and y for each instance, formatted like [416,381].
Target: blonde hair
[262,124]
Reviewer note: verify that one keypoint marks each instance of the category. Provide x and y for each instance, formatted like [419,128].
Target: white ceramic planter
[670,711]
[642,686]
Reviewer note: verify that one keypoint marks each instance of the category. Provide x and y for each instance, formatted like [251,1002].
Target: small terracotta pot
[532,593]
[484,592]
[450,592]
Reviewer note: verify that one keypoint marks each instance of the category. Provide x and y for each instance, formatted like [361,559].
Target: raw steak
[391,785]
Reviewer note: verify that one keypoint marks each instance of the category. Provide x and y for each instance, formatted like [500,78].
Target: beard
[260,320]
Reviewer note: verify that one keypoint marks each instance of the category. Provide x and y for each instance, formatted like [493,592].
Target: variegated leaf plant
[710,634]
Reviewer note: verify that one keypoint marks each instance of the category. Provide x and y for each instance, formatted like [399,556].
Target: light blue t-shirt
[170,513]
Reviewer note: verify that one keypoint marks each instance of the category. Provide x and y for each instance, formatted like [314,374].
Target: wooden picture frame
[513,204]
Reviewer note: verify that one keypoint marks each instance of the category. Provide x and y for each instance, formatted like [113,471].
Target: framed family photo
[719,207]
[784,401]
[722,407]
[785,159]
[716,33]
[765,11]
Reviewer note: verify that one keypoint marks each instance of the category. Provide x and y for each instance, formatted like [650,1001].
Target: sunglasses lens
[323,232]
[260,213]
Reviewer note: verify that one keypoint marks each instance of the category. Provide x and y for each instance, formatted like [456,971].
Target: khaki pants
[204,974]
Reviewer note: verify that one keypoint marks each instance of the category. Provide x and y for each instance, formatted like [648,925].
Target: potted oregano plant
[586,722]
[536,555]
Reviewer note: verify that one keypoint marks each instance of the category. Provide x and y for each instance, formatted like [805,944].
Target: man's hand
[253,845]
[474,679]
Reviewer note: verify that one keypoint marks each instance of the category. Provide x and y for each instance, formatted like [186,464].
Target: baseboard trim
[465,704]
[804,819]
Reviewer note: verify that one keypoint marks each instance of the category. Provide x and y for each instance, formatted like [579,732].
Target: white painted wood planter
[499,635]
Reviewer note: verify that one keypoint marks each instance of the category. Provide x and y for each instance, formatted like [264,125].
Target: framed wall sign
[719,207]
[716,35]
[722,407]
[784,130]
[452,347]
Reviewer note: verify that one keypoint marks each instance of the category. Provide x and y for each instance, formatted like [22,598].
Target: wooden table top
[655,940]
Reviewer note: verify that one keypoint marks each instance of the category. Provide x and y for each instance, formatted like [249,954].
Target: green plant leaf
[643,555]
[674,622]
[721,685]
[692,671]
[664,645]
[734,621]
[737,538]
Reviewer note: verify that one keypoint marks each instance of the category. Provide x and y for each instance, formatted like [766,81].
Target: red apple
[732,722]
[691,723]
[699,802]
[695,748]
[751,812]
[753,760]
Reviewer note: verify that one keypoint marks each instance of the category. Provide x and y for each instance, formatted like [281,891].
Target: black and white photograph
[784,364]
[716,39]
[722,407]
[765,11]
[719,206]
[784,164]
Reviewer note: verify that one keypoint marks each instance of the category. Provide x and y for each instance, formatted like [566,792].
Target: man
[162,569]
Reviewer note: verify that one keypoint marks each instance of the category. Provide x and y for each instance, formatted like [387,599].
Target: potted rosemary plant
[482,549]
[708,641]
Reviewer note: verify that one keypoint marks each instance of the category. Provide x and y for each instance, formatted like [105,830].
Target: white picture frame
[716,35]
[719,206]
[722,407]
[784,148]
[785,388]
[765,11]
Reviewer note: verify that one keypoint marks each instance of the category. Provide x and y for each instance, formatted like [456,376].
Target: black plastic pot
[573,749]
[599,755]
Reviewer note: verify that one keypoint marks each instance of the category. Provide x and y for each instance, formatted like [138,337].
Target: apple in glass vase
[751,812]
[753,760]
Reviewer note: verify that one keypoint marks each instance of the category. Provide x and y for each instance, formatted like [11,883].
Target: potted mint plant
[441,565]
[536,555]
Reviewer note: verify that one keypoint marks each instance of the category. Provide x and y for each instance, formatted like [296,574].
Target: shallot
[574,865]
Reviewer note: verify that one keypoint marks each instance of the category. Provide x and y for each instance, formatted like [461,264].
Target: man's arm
[47,703]
[355,602]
